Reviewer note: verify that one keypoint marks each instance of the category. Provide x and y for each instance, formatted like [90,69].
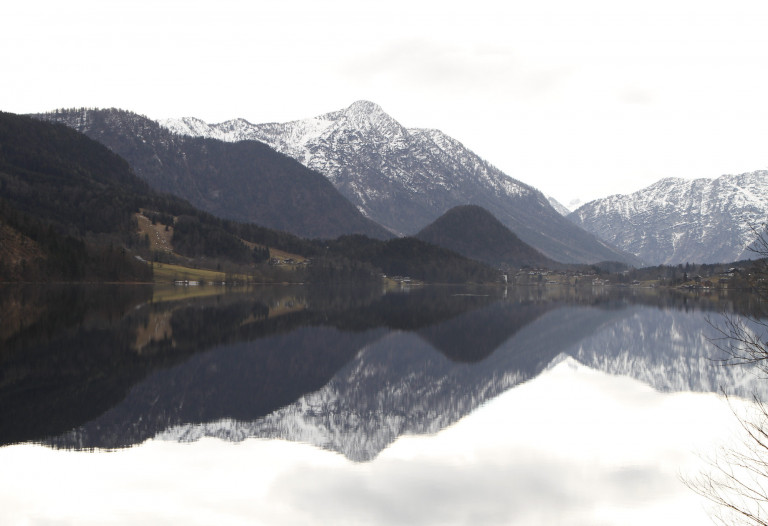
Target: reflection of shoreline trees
[86,347]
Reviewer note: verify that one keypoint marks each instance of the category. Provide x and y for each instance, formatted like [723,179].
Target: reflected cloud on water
[440,405]
[347,369]
[573,446]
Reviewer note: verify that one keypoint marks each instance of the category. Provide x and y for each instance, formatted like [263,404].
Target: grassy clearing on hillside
[276,252]
[160,236]
[282,255]
[167,273]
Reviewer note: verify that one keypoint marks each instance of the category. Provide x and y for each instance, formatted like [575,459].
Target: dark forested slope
[475,233]
[68,210]
[245,181]
[57,188]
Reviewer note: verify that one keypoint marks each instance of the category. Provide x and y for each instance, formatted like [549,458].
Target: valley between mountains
[349,194]
[404,179]
[372,159]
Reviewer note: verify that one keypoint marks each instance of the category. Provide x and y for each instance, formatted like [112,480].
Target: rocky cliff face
[406,178]
[677,221]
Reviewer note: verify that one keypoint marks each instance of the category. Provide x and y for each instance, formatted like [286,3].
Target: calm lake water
[300,405]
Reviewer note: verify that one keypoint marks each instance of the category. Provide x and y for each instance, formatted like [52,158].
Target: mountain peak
[405,178]
[364,115]
[364,107]
[476,233]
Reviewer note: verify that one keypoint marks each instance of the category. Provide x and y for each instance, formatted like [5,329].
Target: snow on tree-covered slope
[676,220]
[406,178]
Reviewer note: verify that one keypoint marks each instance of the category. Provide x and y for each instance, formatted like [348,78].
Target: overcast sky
[581,99]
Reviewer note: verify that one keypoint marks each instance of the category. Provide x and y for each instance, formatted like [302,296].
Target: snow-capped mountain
[676,220]
[247,181]
[558,206]
[406,178]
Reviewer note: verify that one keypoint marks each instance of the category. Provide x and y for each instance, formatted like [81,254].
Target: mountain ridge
[677,220]
[245,181]
[405,178]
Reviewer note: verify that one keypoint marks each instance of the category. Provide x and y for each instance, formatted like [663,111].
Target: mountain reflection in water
[349,370]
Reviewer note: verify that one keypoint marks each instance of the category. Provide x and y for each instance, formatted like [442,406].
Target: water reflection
[346,369]
[574,446]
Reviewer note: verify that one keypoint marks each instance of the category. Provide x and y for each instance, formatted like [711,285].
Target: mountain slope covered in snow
[676,220]
[406,178]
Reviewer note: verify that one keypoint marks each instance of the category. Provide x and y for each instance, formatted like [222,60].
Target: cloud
[450,69]
[513,486]
[634,95]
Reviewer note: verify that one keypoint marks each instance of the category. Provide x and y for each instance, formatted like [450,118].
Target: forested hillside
[245,181]
[475,233]
[69,210]
[66,206]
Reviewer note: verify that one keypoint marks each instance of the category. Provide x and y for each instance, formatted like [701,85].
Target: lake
[347,405]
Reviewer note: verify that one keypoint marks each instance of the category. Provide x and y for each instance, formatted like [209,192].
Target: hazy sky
[579,98]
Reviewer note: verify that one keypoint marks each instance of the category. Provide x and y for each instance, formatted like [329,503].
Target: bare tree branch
[737,479]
